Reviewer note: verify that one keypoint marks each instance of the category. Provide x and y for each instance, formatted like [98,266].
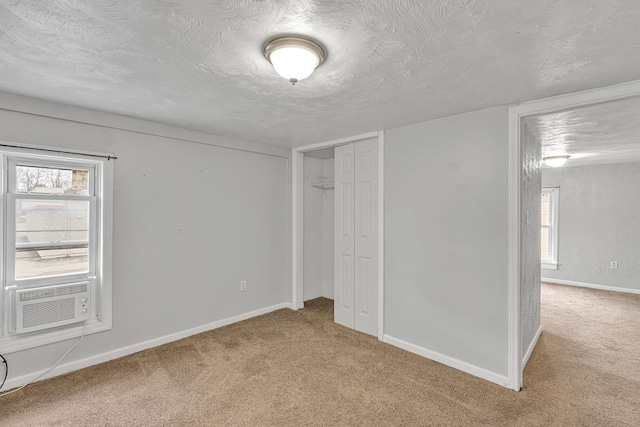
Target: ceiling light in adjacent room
[555,161]
[294,58]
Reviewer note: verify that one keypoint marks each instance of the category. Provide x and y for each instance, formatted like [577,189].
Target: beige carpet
[299,368]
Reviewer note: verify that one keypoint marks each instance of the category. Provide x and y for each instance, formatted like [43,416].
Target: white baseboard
[327,291]
[532,345]
[317,295]
[125,351]
[591,285]
[312,296]
[449,361]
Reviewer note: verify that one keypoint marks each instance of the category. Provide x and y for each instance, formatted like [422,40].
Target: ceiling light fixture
[555,161]
[294,58]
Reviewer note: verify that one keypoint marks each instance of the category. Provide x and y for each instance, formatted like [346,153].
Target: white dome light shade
[294,63]
[294,58]
[555,161]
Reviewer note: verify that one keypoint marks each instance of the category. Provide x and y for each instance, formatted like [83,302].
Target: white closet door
[356,236]
[344,241]
[366,236]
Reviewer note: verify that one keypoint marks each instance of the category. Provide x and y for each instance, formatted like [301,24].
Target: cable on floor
[84,328]
[6,371]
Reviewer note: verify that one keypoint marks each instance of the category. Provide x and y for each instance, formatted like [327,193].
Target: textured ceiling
[603,133]
[199,64]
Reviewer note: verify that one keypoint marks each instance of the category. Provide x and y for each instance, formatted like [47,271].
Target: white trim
[5,315]
[313,296]
[106,255]
[449,361]
[554,197]
[514,328]
[297,252]
[15,343]
[381,235]
[547,105]
[297,229]
[100,274]
[590,285]
[336,142]
[532,345]
[125,351]
[578,99]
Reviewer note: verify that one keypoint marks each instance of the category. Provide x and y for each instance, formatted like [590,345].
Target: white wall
[313,229]
[446,207]
[530,238]
[318,230]
[190,221]
[599,222]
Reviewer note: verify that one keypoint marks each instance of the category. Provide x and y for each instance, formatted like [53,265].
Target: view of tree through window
[30,179]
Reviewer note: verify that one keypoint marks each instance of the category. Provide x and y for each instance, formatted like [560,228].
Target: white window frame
[552,262]
[100,246]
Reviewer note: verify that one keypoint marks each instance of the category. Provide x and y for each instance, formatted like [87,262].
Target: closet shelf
[323,185]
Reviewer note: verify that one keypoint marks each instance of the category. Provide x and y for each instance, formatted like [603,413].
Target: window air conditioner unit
[51,306]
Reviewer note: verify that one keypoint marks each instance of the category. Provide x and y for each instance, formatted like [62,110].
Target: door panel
[344,241]
[363,271]
[366,236]
[356,236]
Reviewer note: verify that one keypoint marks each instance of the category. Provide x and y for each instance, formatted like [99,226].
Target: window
[549,228]
[56,241]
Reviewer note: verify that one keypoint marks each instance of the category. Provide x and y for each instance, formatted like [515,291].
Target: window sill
[549,266]
[15,343]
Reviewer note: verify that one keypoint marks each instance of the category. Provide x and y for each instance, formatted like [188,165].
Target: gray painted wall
[327,230]
[318,229]
[190,221]
[599,222]
[530,233]
[446,265]
[313,229]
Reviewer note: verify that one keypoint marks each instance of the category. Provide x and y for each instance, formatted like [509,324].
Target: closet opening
[318,227]
[337,231]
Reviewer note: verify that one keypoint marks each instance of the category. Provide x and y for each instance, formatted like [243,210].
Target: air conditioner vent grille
[53,292]
[52,306]
[42,313]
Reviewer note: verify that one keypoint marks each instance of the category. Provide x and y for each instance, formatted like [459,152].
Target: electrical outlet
[614,264]
[243,285]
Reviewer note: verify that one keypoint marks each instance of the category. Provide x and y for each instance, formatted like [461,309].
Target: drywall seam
[125,351]
[591,285]
[55,111]
[532,346]
[447,360]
